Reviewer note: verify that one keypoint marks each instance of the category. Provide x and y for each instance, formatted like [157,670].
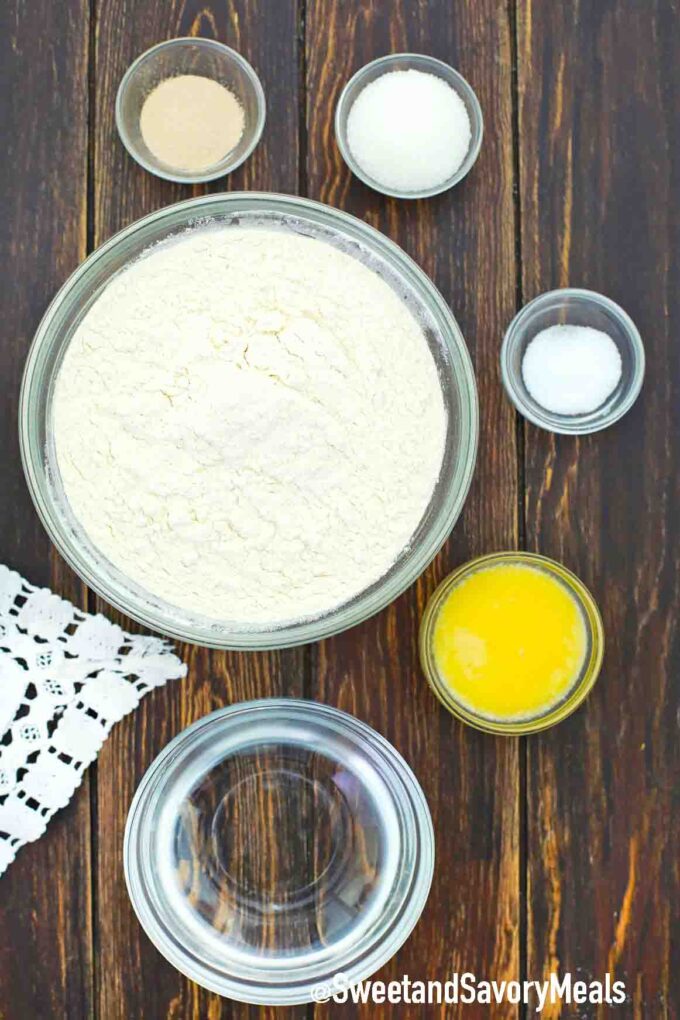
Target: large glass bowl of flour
[248,421]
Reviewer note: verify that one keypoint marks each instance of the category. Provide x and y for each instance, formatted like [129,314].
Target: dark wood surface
[599,184]
[46,934]
[556,852]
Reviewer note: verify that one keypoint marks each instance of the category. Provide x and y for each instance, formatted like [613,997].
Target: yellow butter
[510,641]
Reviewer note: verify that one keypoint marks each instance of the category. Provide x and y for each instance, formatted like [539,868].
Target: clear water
[281,849]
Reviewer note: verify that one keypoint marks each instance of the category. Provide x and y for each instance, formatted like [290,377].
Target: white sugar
[571,369]
[409,131]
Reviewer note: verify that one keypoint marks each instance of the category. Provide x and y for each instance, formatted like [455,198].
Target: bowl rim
[224,167]
[576,695]
[462,86]
[375,953]
[572,425]
[290,633]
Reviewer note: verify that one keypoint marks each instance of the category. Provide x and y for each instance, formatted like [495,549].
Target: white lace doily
[65,678]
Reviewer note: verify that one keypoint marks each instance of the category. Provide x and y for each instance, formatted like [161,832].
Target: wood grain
[133,979]
[465,241]
[45,905]
[600,158]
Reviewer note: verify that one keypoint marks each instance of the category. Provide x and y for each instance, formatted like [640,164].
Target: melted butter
[510,641]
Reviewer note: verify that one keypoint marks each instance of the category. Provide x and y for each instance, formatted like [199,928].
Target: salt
[409,131]
[571,369]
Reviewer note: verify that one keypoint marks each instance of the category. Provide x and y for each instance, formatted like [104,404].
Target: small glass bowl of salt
[572,361]
[409,125]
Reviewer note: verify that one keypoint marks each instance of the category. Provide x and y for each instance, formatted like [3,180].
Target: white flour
[249,424]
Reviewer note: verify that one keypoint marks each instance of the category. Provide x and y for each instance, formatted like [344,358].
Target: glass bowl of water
[274,845]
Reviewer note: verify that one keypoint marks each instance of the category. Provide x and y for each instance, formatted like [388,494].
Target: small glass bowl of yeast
[204,58]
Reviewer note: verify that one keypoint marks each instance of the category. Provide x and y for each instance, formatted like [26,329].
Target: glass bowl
[573,307]
[203,57]
[583,683]
[278,212]
[274,845]
[406,62]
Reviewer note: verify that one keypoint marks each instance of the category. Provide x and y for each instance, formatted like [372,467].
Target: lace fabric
[65,678]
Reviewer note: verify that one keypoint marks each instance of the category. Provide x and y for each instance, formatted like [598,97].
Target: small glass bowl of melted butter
[512,643]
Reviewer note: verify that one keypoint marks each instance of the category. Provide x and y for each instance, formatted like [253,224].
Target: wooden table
[558,852]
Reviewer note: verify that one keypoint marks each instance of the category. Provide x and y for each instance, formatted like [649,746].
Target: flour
[249,424]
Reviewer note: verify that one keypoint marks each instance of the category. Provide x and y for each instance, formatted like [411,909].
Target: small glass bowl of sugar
[408,125]
[572,361]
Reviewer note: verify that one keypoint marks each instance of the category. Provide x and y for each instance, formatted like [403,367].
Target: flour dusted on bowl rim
[249,424]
